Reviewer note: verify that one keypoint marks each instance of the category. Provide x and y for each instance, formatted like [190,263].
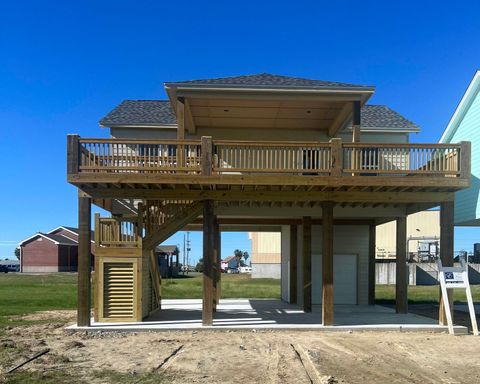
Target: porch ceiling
[238,113]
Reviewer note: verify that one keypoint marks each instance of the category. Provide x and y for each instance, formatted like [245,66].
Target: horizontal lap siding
[467,205]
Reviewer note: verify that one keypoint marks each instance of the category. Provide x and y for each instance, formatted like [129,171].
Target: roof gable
[469,96]
[266,80]
[57,239]
[381,117]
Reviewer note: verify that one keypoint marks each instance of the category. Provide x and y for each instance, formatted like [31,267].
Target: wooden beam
[336,155]
[277,196]
[207,153]
[208,258]
[307,263]
[327,263]
[189,121]
[180,118]
[446,253]
[401,298]
[342,116]
[419,181]
[371,263]
[293,263]
[84,260]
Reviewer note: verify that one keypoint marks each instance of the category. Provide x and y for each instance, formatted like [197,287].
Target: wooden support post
[293,263]
[73,154]
[208,257]
[84,256]
[446,253]
[465,159]
[327,263]
[356,122]
[207,155]
[401,297]
[371,263]
[307,263]
[218,246]
[180,118]
[336,157]
[216,266]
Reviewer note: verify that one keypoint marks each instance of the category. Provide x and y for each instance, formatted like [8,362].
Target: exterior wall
[467,201]
[293,134]
[67,258]
[420,224]
[266,271]
[40,255]
[348,240]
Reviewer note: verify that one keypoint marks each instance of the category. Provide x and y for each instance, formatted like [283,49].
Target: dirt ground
[236,356]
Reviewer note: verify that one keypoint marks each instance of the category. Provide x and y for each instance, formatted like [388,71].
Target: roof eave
[472,90]
[269,88]
[141,125]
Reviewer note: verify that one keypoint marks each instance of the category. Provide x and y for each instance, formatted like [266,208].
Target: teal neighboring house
[465,126]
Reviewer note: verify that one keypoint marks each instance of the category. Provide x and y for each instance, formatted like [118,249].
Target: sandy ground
[244,356]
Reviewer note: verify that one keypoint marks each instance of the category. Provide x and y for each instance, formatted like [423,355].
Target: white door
[344,279]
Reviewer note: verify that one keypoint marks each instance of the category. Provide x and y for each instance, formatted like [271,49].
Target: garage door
[344,279]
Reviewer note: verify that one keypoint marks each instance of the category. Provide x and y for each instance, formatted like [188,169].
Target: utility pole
[183,266]
[188,249]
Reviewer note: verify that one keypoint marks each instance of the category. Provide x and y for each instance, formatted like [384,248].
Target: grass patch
[23,294]
[44,377]
[422,294]
[110,376]
[232,286]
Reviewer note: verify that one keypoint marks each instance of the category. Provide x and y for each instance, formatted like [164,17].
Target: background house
[266,254]
[54,251]
[465,125]
[423,230]
[167,256]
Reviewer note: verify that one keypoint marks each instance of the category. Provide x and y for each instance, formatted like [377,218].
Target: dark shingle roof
[140,112]
[168,249]
[381,116]
[267,80]
[159,112]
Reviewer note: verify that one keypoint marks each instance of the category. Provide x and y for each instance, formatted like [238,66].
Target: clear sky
[65,64]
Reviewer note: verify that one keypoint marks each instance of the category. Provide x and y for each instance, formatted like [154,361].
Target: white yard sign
[456,277]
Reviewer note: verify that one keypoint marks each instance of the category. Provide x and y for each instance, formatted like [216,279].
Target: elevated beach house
[308,156]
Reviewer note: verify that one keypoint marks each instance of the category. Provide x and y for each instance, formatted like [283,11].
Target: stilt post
[401,286]
[307,264]
[371,263]
[446,253]
[293,263]
[208,259]
[84,260]
[327,263]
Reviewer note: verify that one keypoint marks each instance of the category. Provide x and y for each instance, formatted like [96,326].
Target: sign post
[456,277]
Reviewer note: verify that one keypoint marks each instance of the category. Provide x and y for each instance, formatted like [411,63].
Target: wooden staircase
[164,218]
[127,274]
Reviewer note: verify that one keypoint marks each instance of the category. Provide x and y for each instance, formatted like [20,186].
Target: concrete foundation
[235,314]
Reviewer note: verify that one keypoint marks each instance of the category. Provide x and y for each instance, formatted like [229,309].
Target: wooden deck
[266,171]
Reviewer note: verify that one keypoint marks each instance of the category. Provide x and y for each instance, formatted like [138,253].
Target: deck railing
[117,232]
[219,157]
[403,159]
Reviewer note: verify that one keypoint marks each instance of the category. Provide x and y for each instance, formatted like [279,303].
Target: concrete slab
[237,314]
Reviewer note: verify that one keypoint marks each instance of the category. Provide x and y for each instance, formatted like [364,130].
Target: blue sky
[64,64]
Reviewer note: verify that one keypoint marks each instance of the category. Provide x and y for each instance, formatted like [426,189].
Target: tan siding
[266,247]
[425,224]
